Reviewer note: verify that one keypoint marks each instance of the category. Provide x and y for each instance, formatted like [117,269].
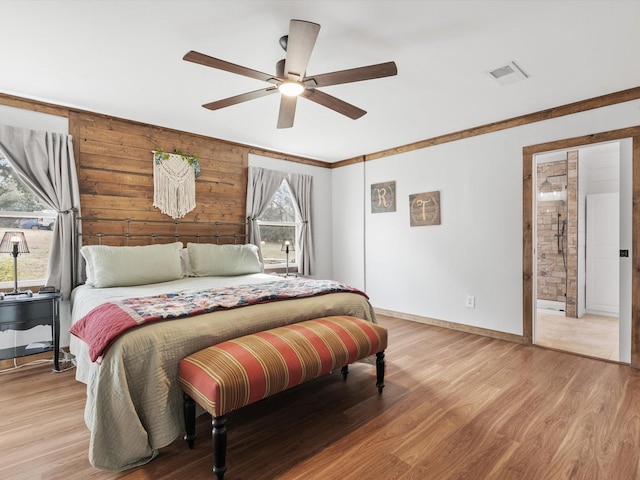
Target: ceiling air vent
[509,73]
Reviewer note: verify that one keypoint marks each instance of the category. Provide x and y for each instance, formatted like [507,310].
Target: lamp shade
[12,238]
[287,245]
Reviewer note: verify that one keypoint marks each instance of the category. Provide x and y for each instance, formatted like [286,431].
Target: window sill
[8,286]
[279,270]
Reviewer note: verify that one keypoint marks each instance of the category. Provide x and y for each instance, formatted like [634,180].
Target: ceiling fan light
[291,89]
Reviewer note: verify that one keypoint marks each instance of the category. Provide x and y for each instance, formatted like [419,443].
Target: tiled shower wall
[572,234]
[552,277]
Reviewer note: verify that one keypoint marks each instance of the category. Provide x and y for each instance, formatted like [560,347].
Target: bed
[134,402]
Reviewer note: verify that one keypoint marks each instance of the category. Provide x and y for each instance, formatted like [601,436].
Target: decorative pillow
[88,265]
[125,266]
[208,259]
[186,263]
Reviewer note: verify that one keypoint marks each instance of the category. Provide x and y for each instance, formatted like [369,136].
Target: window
[277,224]
[20,210]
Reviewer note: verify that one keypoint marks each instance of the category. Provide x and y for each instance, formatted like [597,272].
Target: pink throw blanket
[105,323]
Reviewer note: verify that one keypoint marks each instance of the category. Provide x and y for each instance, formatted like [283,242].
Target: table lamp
[14,243]
[287,246]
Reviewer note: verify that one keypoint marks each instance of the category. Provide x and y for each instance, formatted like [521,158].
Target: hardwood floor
[455,406]
[592,335]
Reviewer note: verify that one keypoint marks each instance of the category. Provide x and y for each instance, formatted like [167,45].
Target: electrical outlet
[471,301]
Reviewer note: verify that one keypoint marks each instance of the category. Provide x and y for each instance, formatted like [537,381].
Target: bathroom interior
[577,203]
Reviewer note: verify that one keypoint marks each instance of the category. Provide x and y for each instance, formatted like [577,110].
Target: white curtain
[300,186]
[45,162]
[262,185]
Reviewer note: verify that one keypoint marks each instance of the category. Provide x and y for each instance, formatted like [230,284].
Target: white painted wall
[349,237]
[601,164]
[582,237]
[321,222]
[603,243]
[599,173]
[477,250]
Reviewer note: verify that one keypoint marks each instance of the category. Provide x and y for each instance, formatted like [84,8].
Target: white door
[603,244]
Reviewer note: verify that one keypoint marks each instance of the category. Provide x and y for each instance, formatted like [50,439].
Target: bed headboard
[132,232]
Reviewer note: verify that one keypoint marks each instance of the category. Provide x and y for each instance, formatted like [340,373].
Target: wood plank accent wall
[572,232]
[115,173]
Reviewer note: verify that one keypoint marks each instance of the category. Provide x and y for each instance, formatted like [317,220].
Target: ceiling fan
[290,78]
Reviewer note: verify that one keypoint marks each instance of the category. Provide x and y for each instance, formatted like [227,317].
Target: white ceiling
[125,59]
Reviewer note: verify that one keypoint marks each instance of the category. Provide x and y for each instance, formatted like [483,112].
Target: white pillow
[186,263]
[88,265]
[125,266]
[208,259]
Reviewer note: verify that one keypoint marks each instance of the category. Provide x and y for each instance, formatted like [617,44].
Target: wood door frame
[528,256]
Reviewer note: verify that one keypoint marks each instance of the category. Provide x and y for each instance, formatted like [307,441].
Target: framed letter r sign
[383,197]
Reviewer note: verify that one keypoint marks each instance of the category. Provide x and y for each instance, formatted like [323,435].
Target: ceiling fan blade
[302,38]
[208,61]
[245,97]
[370,72]
[287,111]
[333,103]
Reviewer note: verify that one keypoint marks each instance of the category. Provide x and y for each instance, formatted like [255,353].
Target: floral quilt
[105,323]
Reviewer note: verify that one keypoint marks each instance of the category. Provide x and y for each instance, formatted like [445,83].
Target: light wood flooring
[455,406]
[592,335]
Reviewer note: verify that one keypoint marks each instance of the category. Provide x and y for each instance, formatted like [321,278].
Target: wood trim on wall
[555,112]
[33,105]
[459,327]
[115,172]
[527,248]
[289,158]
[44,107]
[527,230]
[635,255]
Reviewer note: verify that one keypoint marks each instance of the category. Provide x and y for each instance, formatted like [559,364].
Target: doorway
[577,206]
[576,247]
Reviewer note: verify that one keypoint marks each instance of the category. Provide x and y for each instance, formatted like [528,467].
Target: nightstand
[20,312]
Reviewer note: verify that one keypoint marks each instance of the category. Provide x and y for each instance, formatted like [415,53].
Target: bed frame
[133,232]
[129,232]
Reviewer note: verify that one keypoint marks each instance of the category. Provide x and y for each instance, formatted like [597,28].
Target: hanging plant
[160,154]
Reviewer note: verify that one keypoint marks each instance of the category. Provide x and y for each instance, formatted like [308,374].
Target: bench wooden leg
[189,407]
[219,435]
[380,371]
[345,371]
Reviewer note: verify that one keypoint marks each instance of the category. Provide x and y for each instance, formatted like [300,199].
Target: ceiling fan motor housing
[290,78]
[280,68]
[283,42]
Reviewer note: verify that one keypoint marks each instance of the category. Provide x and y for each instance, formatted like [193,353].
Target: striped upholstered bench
[238,372]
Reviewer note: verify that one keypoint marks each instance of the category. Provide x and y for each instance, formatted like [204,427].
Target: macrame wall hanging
[174,182]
